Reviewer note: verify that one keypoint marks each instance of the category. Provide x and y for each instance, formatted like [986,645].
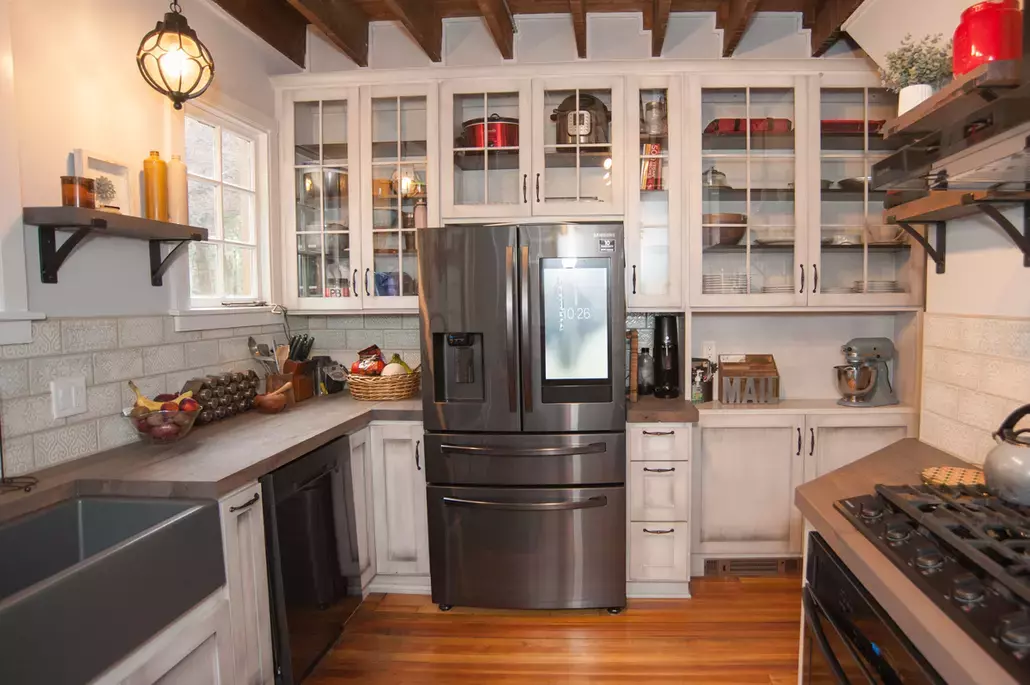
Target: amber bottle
[155,184]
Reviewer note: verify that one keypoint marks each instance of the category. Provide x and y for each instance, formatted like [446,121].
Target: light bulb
[173,63]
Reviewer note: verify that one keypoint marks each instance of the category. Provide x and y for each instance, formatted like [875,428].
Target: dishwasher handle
[591,503]
[592,448]
[811,611]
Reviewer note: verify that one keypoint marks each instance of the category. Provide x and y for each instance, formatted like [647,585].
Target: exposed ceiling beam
[809,10]
[659,25]
[500,24]
[578,9]
[275,22]
[423,22]
[733,17]
[342,22]
[828,21]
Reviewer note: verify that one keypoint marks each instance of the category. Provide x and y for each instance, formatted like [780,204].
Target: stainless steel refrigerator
[523,395]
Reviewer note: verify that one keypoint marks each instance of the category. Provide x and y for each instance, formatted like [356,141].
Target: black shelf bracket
[159,266]
[1021,240]
[935,252]
[52,257]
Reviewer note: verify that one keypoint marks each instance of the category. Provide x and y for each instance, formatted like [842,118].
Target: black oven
[849,639]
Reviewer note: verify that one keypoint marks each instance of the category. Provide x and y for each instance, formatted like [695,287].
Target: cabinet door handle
[659,432]
[802,279]
[799,442]
[525,178]
[659,532]
[815,278]
[354,284]
[417,465]
[249,503]
[634,279]
[368,294]
[538,187]
[811,441]
[650,470]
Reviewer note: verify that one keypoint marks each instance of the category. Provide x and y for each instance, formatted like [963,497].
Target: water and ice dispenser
[460,358]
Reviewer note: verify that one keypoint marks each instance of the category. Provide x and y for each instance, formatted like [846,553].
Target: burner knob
[898,532]
[871,511]
[967,589]
[929,559]
[1015,631]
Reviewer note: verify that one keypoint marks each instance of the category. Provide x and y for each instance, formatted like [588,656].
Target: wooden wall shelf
[85,223]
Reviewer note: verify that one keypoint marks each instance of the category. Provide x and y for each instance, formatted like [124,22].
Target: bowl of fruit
[164,419]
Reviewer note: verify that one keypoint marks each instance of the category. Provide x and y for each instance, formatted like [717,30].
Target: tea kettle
[1007,467]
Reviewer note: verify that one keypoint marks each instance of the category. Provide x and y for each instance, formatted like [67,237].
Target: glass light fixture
[173,60]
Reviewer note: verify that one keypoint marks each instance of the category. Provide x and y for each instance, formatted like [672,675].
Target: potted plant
[915,70]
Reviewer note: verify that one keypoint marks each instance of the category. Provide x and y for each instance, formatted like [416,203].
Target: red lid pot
[988,31]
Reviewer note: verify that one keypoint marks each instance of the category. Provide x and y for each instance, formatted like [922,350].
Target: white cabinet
[659,490]
[195,650]
[659,551]
[834,441]
[246,575]
[659,441]
[358,555]
[745,472]
[399,493]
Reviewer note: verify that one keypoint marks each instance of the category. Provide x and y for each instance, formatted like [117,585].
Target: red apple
[169,406]
[189,404]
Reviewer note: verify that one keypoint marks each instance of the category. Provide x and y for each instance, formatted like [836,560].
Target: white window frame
[262,239]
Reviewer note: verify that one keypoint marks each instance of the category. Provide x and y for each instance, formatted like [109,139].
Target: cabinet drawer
[659,491]
[659,551]
[659,442]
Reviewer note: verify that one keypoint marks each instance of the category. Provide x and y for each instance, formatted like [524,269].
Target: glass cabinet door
[575,160]
[859,256]
[748,225]
[398,198]
[653,228]
[482,136]
[325,242]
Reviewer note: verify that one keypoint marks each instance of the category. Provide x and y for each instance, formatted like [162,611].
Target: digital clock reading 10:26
[573,313]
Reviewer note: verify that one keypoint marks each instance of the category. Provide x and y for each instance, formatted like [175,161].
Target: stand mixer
[864,381]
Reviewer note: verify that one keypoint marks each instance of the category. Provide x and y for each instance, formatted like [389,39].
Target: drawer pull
[253,500]
[659,432]
[650,470]
[591,503]
[660,532]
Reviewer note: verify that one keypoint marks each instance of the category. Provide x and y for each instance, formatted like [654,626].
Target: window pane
[306,133]
[237,160]
[334,132]
[239,271]
[237,215]
[203,270]
[200,148]
[202,197]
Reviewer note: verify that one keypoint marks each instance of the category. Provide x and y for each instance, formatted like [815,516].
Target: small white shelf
[821,406]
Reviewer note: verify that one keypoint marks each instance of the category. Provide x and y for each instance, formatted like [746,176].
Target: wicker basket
[379,388]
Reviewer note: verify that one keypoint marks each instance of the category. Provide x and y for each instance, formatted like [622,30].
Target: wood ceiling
[283,23]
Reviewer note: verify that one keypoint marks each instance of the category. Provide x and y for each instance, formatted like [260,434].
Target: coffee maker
[864,381]
[666,358]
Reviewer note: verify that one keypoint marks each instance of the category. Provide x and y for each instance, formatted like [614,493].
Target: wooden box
[748,378]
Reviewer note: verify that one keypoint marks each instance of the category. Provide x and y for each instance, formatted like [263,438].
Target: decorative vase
[988,31]
[155,185]
[910,96]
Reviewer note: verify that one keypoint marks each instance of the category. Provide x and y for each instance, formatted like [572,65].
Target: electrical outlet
[708,350]
[68,396]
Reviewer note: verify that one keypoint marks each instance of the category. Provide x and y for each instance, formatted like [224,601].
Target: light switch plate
[68,396]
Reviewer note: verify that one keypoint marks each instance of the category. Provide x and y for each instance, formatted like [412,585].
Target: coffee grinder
[666,358]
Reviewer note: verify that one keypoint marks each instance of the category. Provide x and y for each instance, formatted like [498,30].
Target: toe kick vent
[752,567]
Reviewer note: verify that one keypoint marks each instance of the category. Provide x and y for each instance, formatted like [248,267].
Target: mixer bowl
[855,382]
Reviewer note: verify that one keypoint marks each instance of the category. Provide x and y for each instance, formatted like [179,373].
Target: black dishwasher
[309,528]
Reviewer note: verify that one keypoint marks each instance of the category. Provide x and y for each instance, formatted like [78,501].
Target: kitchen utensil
[864,380]
[854,184]
[1007,466]
[253,347]
[722,235]
[731,126]
[275,401]
[724,284]
[855,381]
[654,119]
[282,353]
[987,31]
[496,131]
[723,218]
[713,178]
[584,120]
[951,476]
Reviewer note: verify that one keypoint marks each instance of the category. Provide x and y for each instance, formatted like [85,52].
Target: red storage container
[988,31]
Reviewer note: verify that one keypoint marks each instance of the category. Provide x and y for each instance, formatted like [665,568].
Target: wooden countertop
[955,655]
[650,409]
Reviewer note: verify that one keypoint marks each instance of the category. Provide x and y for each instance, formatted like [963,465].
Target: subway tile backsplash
[976,371]
[109,351]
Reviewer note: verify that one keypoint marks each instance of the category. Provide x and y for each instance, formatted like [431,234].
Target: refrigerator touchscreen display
[576,336]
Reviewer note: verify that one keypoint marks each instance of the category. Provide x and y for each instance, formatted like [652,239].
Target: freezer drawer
[528,548]
[529,460]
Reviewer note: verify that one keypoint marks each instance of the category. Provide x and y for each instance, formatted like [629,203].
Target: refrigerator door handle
[527,371]
[590,503]
[592,448]
[509,341]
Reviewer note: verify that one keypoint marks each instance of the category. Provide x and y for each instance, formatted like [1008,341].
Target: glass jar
[645,372]
[77,191]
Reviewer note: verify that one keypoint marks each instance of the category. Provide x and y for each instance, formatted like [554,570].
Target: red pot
[988,31]
[496,131]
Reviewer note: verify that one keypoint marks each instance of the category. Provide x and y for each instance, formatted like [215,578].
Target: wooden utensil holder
[303,376]
[274,381]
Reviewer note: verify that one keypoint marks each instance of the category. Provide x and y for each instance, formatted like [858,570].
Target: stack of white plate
[778,288]
[724,284]
[838,290]
[878,287]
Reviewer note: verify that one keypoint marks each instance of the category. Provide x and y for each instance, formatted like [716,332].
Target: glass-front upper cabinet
[860,259]
[398,190]
[654,232]
[577,158]
[485,149]
[750,248]
[324,126]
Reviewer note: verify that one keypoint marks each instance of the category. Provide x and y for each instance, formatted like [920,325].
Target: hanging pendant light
[173,60]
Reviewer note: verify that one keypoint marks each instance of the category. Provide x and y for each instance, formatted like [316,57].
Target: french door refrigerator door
[467,305]
[572,316]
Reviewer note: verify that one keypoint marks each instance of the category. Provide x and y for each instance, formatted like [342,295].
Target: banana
[142,401]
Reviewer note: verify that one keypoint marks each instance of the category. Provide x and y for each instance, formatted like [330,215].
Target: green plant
[926,62]
[105,190]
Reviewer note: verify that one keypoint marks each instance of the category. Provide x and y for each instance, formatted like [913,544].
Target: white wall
[77,86]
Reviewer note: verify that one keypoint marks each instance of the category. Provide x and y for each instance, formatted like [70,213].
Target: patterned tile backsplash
[109,351]
[976,370]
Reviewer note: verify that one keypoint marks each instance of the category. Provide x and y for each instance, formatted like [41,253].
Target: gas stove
[968,551]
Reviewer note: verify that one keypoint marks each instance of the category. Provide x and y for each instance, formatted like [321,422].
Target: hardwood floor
[734,630]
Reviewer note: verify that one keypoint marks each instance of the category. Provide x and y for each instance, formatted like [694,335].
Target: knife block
[303,378]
